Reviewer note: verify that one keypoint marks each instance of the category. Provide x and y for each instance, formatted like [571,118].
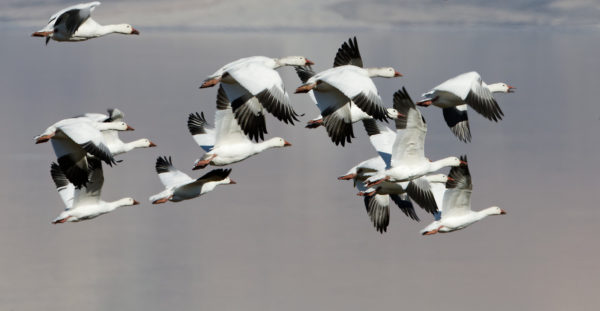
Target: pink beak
[309,62]
[134,31]
[397,74]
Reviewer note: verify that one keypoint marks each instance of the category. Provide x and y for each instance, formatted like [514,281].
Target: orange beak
[286,143]
[309,62]
[129,128]
[152,144]
[134,31]
[511,89]
[397,74]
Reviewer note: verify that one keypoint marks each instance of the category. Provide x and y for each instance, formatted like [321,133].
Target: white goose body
[454,94]
[231,145]
[345,94]
[408,159]
[455,206]
[75,24]
[76,140]
[179,186]
[253,86]
[84,203]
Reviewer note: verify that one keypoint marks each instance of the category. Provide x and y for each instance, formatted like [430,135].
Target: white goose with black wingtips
[455,209]
[408,160]
[179,186]
[75,140]
[84,203]
[253,85]
[454,94]
[345,93]
[75,24]
[231,145]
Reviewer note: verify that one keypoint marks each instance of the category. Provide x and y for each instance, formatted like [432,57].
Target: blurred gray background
[288,235]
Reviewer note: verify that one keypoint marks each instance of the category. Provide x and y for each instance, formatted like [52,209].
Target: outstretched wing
[457,198]
[65,189]
[202,134]
[348,54]
[90,194]
[410,131]
[170,176]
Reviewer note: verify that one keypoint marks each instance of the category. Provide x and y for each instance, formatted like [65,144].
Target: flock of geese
[250,88]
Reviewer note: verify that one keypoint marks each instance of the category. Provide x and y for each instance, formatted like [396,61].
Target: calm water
[288,235]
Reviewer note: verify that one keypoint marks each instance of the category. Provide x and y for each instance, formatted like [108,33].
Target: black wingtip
[163,164]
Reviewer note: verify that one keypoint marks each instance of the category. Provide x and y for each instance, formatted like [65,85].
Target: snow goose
[345,93]
[84,203]
[336,115]
[73,139]
[454,94]
[408,159]
[75,24]
[179,186]
[230,143]
[456,210]
[253,85]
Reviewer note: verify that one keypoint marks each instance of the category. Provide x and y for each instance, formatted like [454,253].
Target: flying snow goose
[231,145]
[456,210]
[72,141]
[336,90]
[382,139]
[179,186]
[253,85]
[84,203]
[337,115]
[454,94]
[408,159]
[75,24]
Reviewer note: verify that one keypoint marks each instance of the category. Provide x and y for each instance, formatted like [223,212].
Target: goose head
[438,178]
[144,143]
[494,210]
[384,72]
[394,114]
[125,29]
[278,142]
[293,61]
[501,88]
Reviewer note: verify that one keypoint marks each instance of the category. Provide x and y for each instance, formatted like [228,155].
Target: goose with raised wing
[75,24]
[408,159]
[231,145]
[455,208]
[179,186]
[253,86]
[75,140]
[345,93]
[454,94]
[84,203]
